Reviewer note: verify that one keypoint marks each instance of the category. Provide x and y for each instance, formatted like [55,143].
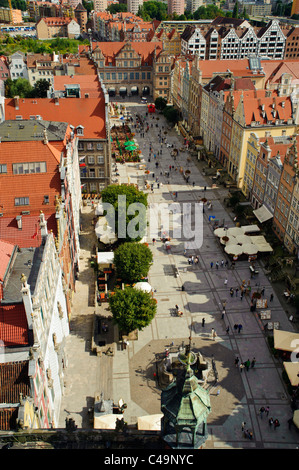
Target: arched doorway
[134,91]
[123,91]
[111,91]
[145,91]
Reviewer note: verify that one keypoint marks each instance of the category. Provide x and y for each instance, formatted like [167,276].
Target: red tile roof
[35,186]
[13,325]
[88,84]
[30,235]
[6,250]
[88,112]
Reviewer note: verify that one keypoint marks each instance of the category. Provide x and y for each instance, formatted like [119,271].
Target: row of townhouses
[246,113]
[51,150]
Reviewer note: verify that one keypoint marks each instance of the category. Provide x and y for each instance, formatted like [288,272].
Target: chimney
[45,137]
[56,100]
[17,100]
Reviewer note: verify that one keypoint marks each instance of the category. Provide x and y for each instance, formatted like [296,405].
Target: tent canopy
[292,369]
[263,214]
[235,250]
[105,257]
[261,243]
[250,229]
[144,286]
[285,340]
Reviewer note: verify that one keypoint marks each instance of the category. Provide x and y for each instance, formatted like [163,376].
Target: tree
[153,10]
[19,87]
[160,103]
[171,114]
[40,88]
[130,206]
[115,8]
[236,10]
[132,309]
[132,261]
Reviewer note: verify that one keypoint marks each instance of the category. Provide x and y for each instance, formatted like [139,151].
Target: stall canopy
[149,422]
[105,258]
[285,340]
[250,229]
[144,286]
[261,243]
[263,214]
[292,369]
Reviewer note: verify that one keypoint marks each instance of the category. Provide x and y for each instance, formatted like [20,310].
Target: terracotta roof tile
[30,235]
[6,250]
[14,380]
[13,325]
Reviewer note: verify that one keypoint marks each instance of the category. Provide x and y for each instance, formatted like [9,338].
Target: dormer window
[80,130]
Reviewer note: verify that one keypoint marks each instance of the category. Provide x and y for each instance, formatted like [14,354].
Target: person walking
[241,295]
[231,292]
[237,361]
[263,291]
[242,366]
[271,297]
[225,282]
[243,425]
[247,364]
[267,409]
[270,421]
[227,330]
[262,411]
[214,334]
[253,362]
[212,264]
[222,263]
[276,423]
[235,327]
[240,328]
[203,322]
[237,290]
[217,265]
[222,314]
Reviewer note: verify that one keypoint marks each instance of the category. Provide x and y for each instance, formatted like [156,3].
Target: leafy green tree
[132,261]
[236,10]
[171,114]
[153,10]
[132,309]
[40,88]
[115,8]
[130,219]
[160,103]
[20,87]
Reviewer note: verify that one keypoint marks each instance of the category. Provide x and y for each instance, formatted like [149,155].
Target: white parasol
[220,232]
[242,239]
[249,249]
[234,231]
[149,422]
[99,209]
[231,241]
[235,250]
[144,286]
[108,237]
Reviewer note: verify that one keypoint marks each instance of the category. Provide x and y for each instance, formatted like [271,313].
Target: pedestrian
[222,263]
[231,292]
[241,295]
[237,361]
[225,282]
[226,263]
[203,322]
[270,421]
[237,290]
[243,425]
[271,297]
[247,364]
[227,330]
[193,184]
[262,410]
[217,265]
[276,423]
[253,362]
[242,366]
[214,334]
[236,327]
[240,328]
[267,409]
[154,241]
[212,264]
[196,261]
[263,291]
[222,314]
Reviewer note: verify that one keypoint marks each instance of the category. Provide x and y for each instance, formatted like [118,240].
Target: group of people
[192,260]
[245,365]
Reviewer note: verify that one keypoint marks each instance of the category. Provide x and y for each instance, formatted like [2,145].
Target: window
[80,130]
[89,146]
[107,76]
[91,160]
[3,168]
[46,199]
[92,173]
[99,146]
[21,201]
[131,75]
[101,173]
[26,168]
[100,159]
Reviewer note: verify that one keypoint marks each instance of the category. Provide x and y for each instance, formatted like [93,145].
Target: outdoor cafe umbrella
[249,249]
[231,240]
[108,237]
[234,250]
[296,418]
[243,239]
[220,232]
[144,286]
[234,231]
[99,209]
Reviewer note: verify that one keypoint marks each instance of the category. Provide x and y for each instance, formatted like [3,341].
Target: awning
[263,214]
[105,257]
[292,369]
[149,422]
[285,340]
[261,243]
[250,229]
